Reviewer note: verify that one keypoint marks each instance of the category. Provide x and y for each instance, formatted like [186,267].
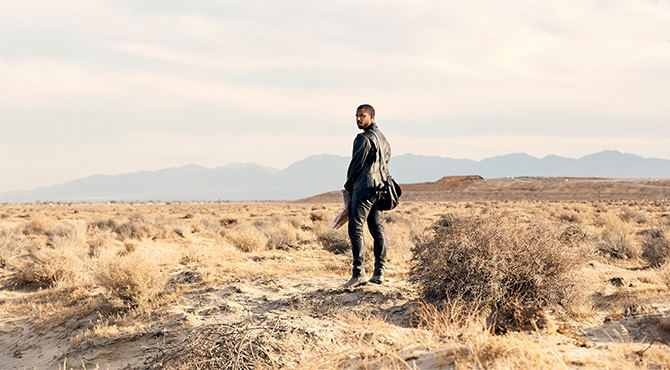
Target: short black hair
[368,108]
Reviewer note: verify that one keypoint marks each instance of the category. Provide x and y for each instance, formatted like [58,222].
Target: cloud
[591,72]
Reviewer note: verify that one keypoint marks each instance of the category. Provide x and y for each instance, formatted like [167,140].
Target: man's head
[365,116]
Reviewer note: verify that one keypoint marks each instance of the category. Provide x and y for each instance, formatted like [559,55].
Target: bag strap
[379,157]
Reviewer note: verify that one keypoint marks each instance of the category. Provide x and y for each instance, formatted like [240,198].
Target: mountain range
[322,173]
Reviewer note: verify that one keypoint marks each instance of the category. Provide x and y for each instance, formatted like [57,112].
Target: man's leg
[376,227]
[359,209]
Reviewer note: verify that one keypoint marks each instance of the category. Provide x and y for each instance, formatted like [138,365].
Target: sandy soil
[287,302]
[315,310]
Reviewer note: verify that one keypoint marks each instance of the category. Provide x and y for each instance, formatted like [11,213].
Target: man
[364,178]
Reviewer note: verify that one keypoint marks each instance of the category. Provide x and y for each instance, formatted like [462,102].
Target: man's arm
[360,153]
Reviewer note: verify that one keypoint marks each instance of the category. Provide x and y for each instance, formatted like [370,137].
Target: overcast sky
[107,87]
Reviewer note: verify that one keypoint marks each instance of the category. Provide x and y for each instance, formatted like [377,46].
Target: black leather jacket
[367,169]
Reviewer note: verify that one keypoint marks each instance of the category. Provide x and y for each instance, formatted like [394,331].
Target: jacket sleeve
[359,156]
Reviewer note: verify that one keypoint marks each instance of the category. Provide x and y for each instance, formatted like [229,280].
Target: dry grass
[223,346]
[97,276]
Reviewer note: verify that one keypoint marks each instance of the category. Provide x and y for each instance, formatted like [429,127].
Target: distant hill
[323,173]
[477,188]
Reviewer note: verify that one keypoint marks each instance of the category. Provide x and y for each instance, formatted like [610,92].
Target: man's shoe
[356,281]
[377,279]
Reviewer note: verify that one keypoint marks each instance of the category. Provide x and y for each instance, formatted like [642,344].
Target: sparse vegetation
[496,285]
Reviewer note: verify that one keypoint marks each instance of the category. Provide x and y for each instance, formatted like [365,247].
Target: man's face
[363,119]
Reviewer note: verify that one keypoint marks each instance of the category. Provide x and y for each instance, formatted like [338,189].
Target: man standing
[364,178]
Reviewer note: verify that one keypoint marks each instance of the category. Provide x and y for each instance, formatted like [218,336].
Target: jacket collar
[371,127]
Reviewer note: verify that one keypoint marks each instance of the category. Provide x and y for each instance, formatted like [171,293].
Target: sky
[109,87]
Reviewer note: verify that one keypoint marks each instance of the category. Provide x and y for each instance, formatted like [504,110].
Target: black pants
[363,209]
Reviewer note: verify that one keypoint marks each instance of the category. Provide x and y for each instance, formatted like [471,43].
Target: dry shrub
[656,245]
[334,240]
[68,233]
[223,346]
[61,262]
[664,272]
[129,246]
[141,226]
[494,258]
[204,224]
[629,214]
[192,255]
[132,229]
[572,217]
[282,235]
[619,242]
[575,235]
[247,239]
[108,224]
[37,225]
[98,241]
[12,245]
[514,317]
[227,221]
[48,267]
[181,229]
[319,216]
[130,281]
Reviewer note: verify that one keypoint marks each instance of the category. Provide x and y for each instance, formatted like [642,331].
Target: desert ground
[522,284]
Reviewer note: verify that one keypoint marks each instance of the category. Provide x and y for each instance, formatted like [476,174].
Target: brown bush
[129,246]
[247,239]
[629,214]
[571,217]
[68,233]
[107,224]
[37,225]
[664,272]
[656,245]
[130,230]
[619,242]
[130,280]
[494,258]
[12,245]
[98,240]
[282,235]
[336,241]
[48,267]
